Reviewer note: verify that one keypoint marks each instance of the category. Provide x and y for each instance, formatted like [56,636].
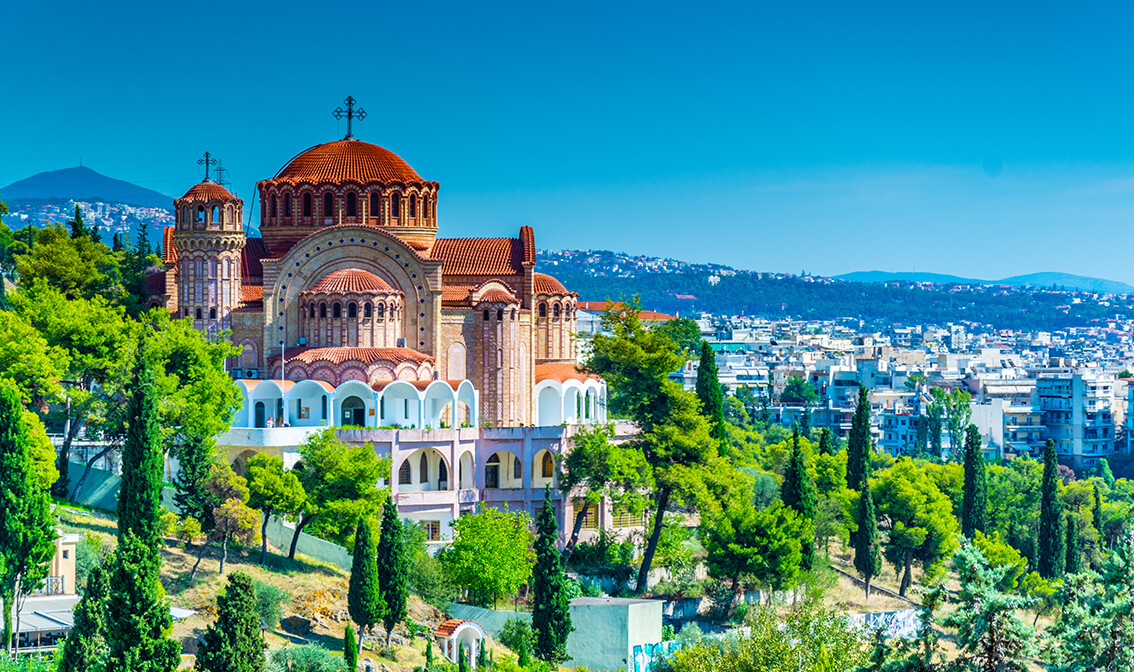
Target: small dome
[347,160]
[495,295]
[545,284]
[208,191]
[350,281]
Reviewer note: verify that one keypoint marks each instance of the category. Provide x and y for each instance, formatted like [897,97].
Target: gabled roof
[155,283]
[251,268]
[486,256]
[168,251]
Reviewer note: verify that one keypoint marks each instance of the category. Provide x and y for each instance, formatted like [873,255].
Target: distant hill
[82,184]
[1047,279]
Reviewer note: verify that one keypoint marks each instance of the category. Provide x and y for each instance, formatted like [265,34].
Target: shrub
[427,580]
[605,556]
[514,631]
[269,602]
[89,553]
[306,658]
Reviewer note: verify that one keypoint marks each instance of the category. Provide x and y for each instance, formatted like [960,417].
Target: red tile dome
[347,160]
[208,191]
[350,281]
[545,284]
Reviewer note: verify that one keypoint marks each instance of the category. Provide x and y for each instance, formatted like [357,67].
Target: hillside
[1045,279]
[82,184]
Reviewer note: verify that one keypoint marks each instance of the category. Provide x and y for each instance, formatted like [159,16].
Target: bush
[427,581]
[514,631]
[89,553]
[28,663]
[306,658]
[690,634]
[605,556]
[269,603]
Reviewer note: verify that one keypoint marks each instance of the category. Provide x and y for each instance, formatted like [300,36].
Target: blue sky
[955,137]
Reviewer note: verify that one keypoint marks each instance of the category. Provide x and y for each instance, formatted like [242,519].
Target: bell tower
[209,239]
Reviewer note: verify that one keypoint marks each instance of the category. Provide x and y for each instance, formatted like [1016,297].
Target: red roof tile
[601,306]
[545,284]
[455,294]
[496,295]
[207,191]
[155,283]
[365,355]
[347,160]
[447,628]
[561,371]
[168,251]
[350,281]
[527,238]
[251,293]
[480,256]
[251,270]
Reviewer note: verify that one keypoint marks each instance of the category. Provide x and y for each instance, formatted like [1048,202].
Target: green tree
[934,427]
[798,492]
[85,646]
[350,651]
[921,438]
[709,392]
[867,558]
[955,410]
[29,361]
[233,519]
[551,618]
[1001,555]
[273,491]
[234,643]
[1074,562]
[1096,512]
[139,495]
[1051,552]
[805,422]
[393,568]
[522,658]
[974,510]
[1105,473]
[1096,628]
[858,443]
[78,228]
[602,469]
[491,553]
[798,391]
[685,334]
[27,528]
[78,267]
[137,615]
[364,594]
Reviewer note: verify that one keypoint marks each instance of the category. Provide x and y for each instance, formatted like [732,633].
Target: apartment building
[1075,408]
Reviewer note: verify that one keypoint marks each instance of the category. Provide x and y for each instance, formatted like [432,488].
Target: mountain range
[82,184]
[1046,279]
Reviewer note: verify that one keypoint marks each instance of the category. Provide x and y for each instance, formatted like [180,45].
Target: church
[451,355]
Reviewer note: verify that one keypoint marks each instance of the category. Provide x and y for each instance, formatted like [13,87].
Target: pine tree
[85,645]
[551,618]
[116,243]
[798,492]
[858,443]
[990,634]
[974,506]
[350,651]
[709,392]
[1051,551]
[826,446]
[78,228]
[234,643]
[137,615]
[139,495]
[867,555]
[1074,561]
[393,579]
[1096,514]
[27,527]
[364,597]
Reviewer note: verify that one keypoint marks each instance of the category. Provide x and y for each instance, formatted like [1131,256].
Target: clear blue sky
[981,139]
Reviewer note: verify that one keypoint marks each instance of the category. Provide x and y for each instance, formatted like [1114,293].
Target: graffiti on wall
[645,655]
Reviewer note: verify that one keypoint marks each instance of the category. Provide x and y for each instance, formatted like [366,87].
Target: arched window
[322,310]
[556,310]
[287,205]
[198,313]
[337,310]
[381,311]
[273,206]
[375,204]
[352,310]
[351,205]
[307,205]
[486,316]
[216,215]
[548,465]
[328,205]
[212,313]
[413,205]
[366,310]
[404,474]
[499,314]
[543,310]
[423,469]
[425,202]
[442,474]
[324,400]
[492,471]
[517,467]
[313,311]
[185,214]
[396,205]
[513,317]
[200,214]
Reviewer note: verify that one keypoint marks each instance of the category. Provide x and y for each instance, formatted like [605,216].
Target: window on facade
[513,315]
[212,313]
[590,520]
[486,318]
[351,205]
[337,310]
[322,310]
[404,473]
[198,313]
[381,311]
[492,472]
[413,205]
[442,474]
[307,205]
[425,203]
[432,529]
[366,310]
[623,518]
[556,310]
[548,465]
[543,310]
[328,205]
[375,204]
[287,205]
[499,314]
[312,315]
[273,206]
[423,469]
[352,310]
[396,205]
[517,467]
[216,214]
[200,214]
[324,408]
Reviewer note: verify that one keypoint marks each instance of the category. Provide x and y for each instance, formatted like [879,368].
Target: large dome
[343,160]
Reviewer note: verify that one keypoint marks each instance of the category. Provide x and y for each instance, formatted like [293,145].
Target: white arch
[354,388]
[466,471]
[243,415]
[467,395]
[437,396]
[306,401]
[270,393]
[505,467]
[572,401]
[436,467]
[400,403]
[549,403]
[541,476]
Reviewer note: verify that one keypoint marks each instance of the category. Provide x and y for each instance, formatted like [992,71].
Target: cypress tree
[393,579]
[195,462]
[921,440]
[428,654]
[858,443]
[551,618]
[78,228]
[350,650]
[709,392]
[364,597]
[1051,552]
[974,506]
[85,645]
[139,495]
[1096,514]
[805,421]
[462,659]
[1074,562]
[867,557]
[826,446]
[1105,472]
[234,643]
[481,657]
[115,243]
[137,616]
[798,492]
[522,657]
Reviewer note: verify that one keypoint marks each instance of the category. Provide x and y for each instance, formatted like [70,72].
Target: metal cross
[206,162]
[350,113]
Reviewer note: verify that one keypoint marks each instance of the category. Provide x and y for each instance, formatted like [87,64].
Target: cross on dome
[206,161]
[350,113]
